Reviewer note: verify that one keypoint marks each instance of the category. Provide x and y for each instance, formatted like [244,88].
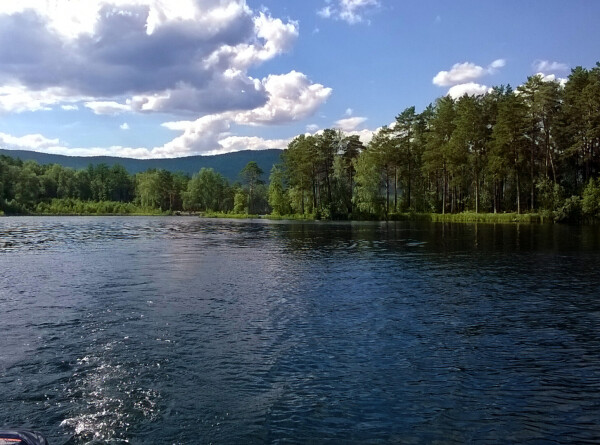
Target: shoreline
[465,217]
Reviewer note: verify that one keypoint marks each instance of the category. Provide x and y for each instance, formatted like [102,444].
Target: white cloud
[221,145]
[349,112]
[176,57]
[186,58]
[292,97]
[238,143]
[350,11]
[350,124]
[124,126]
[364,136]
[325,12]
[17,98]
[278,37]
[107,107]
[552,78]
[465,72]
[496,64]
[460,72]
[471,89]
[312,128]
[29,141]
[547,66]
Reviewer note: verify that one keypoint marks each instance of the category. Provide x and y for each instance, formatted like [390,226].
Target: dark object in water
[22,438]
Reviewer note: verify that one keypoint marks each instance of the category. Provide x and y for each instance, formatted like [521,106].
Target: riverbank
[471,217]
[128,209]
[465,217]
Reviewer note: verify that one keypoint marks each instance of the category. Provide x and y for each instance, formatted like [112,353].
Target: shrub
[591,199]
[569,211]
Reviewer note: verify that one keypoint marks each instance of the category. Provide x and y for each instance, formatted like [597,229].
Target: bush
[591,199]
[570,211]
[550,195]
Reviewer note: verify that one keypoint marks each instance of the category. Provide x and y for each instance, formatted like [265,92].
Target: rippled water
[181,330]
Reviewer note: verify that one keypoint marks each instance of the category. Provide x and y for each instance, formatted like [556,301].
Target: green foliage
[591,199]
[569,211]
[69,206]
[550,195]
[367,192]
[278,197]
[240,202]
[206,191]
[251,175]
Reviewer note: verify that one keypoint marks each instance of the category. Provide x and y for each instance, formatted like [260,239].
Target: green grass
[470,217]
[89,208]
[292,217]
[228,215]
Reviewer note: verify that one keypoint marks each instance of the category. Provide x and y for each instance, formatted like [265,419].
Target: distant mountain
[229,165]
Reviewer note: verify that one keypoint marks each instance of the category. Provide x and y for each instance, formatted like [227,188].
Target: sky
[172,78]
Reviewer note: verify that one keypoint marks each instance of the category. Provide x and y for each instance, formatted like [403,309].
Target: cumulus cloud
[292,97]
[238,143]
[181,51]
[461,73]
[350,123]
[470,88]
[221,144]
[186,58]
[124,126]
[364,136]
[548,66]
[107,107]
[350,11]
[552,78]
[312,128]
[498,63]
[28,141]
[17,98]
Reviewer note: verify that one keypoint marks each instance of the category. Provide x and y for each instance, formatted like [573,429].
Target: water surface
[182,330]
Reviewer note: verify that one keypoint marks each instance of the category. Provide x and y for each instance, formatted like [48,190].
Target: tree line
[28,187]
[532,149]
[535,148]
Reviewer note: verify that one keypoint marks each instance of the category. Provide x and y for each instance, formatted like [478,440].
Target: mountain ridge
[228,164]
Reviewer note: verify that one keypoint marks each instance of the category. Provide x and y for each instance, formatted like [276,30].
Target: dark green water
[180,330]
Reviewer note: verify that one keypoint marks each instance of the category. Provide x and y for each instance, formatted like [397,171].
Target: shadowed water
[182,330]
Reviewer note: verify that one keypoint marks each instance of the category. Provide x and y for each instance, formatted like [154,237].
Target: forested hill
[229,165]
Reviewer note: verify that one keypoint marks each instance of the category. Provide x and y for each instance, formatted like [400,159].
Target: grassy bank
[73,207]
[294,217]
[274,217]
[465,217]
[470,217]
[91,208]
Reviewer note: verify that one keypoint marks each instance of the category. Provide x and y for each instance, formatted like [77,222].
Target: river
[185,330]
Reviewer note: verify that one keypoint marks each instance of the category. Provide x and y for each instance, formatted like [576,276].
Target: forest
[31,188]
[533,149]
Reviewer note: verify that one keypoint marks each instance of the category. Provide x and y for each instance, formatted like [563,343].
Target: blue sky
[150,78]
